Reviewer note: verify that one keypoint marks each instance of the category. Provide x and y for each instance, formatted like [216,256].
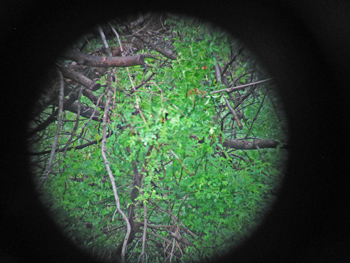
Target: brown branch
[261,155]
[93,98]
[80,78]
[86,111]
[239,87]
[144,82]
[111,177]
[160,237]
[181,239]
[161,51]
[255,117]
[229,63]
[175,219]
[245,144]
[103,62]
[154,226]
[177,158]
[234,114]
[134,194]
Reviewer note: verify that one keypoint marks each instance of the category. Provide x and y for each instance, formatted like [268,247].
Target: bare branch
[104,40]
[181,239]
[111,177]
[74,129]
[239,87]
[175,219]
[255,117]
[143,254]
[177,158]
[103,62]
[250,145]
[161,51]
[234,114]
[59,124]
[160,237]
[80,78]
[262,157]
[86,111]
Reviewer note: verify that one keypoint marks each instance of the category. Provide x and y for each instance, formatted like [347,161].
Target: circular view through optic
[157,139]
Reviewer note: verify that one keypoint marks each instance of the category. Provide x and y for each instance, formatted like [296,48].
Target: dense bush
[167,144]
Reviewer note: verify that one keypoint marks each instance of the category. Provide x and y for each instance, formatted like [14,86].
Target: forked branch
[108,168]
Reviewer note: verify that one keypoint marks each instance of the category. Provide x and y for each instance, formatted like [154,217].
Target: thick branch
[250,145]
[245,144]
[93,98]
[80,78]
[103,62]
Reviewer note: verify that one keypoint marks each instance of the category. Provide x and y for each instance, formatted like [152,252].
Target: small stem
[177,158]
[239,87]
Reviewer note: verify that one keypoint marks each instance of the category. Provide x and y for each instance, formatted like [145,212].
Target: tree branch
[108,168]
[103,62]
[161,51]
[234,114]
[59,125]
[80,78]
[250,145]
[177,158]
[239,87]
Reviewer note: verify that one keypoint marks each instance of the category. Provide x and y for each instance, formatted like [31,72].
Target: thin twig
[256,117]
[234,114]
[59,124]
[239,87]
[164,98]
[117,35]
[175,219]
[108,168]
[144,232]
[177,158]
[172,250]
[160,237]
[131,81]
[261,155]
[104,40]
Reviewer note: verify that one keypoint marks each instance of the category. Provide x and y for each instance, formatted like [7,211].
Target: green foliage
[211,192]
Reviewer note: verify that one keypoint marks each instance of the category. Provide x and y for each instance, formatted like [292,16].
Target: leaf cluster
[166,128]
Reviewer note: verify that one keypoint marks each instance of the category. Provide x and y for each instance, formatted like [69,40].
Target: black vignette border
[301,43]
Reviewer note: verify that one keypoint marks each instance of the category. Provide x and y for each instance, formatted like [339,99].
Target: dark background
[304,45]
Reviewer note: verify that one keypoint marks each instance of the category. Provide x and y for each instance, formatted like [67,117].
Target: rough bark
[80,78]
[250,144]
[103,62]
